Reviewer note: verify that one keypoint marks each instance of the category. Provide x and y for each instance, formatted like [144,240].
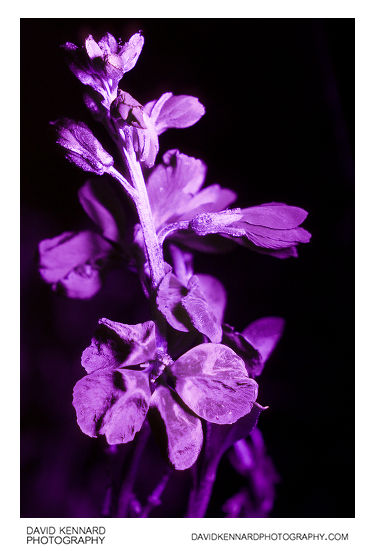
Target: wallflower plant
[183,372]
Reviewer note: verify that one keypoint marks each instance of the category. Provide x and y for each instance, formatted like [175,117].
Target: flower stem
[201,493]
[153,249]
[126,491]
[123,181]
[154,499]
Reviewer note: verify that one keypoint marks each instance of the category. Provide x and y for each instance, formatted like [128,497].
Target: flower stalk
[184,366]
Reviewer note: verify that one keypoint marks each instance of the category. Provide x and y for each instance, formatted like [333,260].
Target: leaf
[184,430]
[117,344]
[212,380]
[102,204]
[113,403]
[264,334]
[72,261]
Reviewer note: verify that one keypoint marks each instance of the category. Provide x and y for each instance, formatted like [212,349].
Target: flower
[157,116]
[208,382]
[74,262]
[270,228]
[101,65]
[174,190]
[180,207]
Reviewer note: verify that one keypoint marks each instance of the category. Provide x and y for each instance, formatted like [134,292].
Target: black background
[279,126]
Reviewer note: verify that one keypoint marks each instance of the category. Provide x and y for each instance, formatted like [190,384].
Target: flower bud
[128,111]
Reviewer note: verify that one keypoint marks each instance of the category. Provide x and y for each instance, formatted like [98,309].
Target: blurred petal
[219,438]
[212,380]
[243,348]
[103,205]
[73,261]
[184,430]
[264,334]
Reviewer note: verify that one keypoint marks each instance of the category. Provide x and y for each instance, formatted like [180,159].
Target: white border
[169,533]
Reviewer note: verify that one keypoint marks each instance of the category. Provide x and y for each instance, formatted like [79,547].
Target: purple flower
[153,119]
[193,216]
[101,65]
[272,228]
[208,382]
[74,262]
[174,190]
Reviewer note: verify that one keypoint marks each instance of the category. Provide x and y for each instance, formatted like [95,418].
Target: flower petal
[168,300]
[219,438]
[108,44]
[72,261]
[92,48]
[264,334]
[200,311]
[215,294]
[113,403]
[211,199]
[117,344]
[187,307]
[172,184]
[184,430]
[171,111]
[243,348]
[212,380]
[130,51]
[275,215]
[102,203]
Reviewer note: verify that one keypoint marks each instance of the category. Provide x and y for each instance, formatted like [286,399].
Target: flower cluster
[185,366]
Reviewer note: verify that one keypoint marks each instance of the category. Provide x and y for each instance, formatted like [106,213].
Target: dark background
[279,126]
